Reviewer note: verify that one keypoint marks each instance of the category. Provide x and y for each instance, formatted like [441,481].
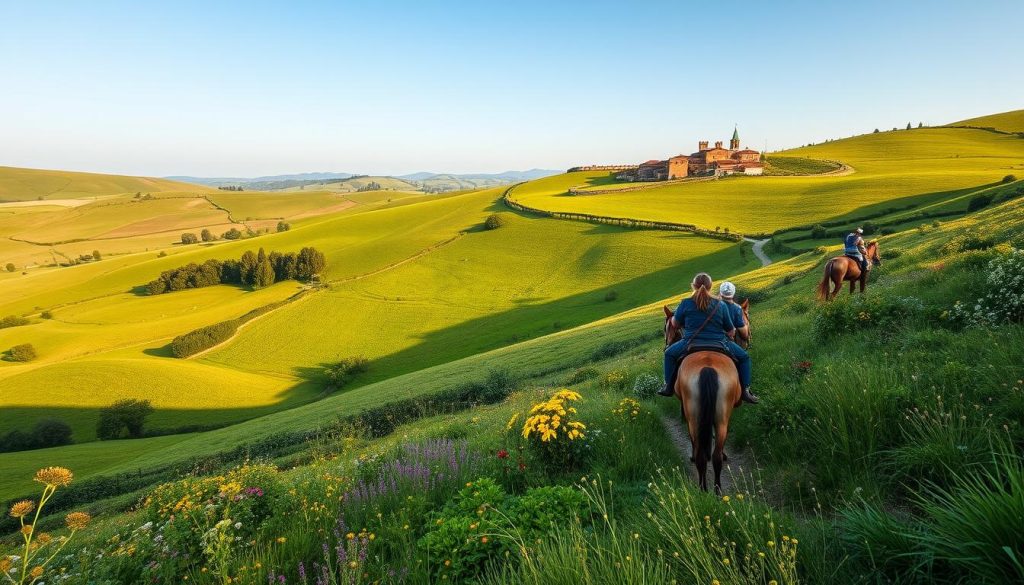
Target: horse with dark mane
[845,268]
[708,389]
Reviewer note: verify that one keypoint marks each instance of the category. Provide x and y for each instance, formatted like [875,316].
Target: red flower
[502,454]
[522,466]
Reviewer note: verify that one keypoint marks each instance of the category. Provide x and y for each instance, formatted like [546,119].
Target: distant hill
[1012,121]
[422,181]
[18,184]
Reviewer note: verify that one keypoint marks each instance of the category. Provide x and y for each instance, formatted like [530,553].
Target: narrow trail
[737,472]
[759,250]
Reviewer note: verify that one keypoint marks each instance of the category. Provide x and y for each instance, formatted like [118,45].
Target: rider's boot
[749,397]
[666,390]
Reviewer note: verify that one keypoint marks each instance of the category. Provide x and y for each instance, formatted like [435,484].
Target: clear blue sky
[389,87]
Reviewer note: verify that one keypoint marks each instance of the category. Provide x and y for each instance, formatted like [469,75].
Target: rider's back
[691,318]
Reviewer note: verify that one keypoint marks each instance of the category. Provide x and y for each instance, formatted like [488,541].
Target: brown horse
[708,388]
[843,268]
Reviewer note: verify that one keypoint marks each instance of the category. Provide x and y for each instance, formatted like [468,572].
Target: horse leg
[691,428]
[863,282]
[721,430]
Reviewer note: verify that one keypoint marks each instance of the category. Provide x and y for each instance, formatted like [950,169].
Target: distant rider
[855,248]
[706,322]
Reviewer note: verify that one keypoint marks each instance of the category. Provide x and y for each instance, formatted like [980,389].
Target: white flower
[238,525]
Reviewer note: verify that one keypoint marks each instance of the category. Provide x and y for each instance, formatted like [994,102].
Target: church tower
[734,144]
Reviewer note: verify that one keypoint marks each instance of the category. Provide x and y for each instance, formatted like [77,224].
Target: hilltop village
[707,161]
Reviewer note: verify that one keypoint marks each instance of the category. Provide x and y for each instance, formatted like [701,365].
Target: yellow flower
[447,563]
[281,540]
[352,564]
[771,544]
[43,538]
[483,539]
[26,529]
[5,564]
[773,582]
[725,499]
[54,476]
[37,572]
[22,508]
[77,520]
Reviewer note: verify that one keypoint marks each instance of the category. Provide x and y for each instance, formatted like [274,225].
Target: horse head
[746,341]
[873,256]
[672,334]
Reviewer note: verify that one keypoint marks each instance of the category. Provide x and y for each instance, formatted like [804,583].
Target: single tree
[247,268]
[51,432]
[206,235]
[876,130]
[283,226]
[96,255]
[11,267]
[908,126]
[264,275]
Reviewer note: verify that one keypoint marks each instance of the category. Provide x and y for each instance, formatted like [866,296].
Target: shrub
[581,375]
[1009,178]
[189,238]
[610,296]
[845,315]
[51,432]
[11,267]
[967,242]
[819,232]
[206,235]
[283,226]
[24,352]
[646,385]
[13,321]
[1003,294]
[232,234]
[979,202]
[203,338]
[123,417]
[494,221]
[614,380]
[96,255]
[553,431]
[340,373]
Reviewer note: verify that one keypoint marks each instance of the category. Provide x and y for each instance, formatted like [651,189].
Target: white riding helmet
[727,290]
[860,230]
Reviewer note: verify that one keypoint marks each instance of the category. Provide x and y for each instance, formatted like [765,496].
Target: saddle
[713,348]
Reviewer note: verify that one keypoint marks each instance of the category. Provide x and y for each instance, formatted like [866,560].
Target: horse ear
[745,304]
[668,312]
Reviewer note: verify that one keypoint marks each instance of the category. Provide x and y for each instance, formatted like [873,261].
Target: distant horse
[843,268]
[708,388]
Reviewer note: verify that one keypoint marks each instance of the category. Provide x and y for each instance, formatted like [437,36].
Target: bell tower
[734,143]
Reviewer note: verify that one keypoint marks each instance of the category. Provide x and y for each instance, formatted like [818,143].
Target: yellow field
[892,169]
[35,184]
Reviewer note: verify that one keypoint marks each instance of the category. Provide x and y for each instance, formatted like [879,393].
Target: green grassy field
[921,166]
[36,184]
[1004,122]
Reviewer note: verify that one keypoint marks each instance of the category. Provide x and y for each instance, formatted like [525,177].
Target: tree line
[254,270]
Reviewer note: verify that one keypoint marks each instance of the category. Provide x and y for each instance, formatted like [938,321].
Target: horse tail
[825,286]
[707,384]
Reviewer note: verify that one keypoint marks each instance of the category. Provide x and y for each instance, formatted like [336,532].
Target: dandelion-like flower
[77,520]
[36,572]
[22,508]
[54,476]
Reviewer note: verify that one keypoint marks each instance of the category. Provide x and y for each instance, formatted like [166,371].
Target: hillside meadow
[868,459]
[892,169]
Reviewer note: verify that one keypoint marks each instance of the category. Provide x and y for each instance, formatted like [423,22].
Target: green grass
[31,184]
[892,168]
[1004,122]
[795,165]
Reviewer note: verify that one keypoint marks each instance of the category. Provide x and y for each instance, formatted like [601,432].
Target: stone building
[707,161]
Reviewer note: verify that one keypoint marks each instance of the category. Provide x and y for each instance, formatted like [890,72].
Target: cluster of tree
[254,270]
[24,352]
[283,226]
[142,197]
[124,418]
[340,373]
[371,186]
[231,188]
[48,432]
[13,321]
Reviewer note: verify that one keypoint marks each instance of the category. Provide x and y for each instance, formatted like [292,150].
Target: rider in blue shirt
[706,322]
[854,248]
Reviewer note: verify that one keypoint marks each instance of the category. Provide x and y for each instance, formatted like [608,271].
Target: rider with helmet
[854,248]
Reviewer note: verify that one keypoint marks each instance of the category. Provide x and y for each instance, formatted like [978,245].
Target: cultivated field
[898,168]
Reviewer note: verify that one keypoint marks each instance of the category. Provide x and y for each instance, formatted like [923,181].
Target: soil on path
[738,473]
[759,250]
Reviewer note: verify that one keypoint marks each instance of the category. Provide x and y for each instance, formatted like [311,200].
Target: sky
[260,88]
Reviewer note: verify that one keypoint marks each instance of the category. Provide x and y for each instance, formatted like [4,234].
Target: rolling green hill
[1004,122]
[18,184]
[892,169]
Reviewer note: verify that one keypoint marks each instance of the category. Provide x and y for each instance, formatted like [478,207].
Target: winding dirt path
[738,473]
[759,250]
